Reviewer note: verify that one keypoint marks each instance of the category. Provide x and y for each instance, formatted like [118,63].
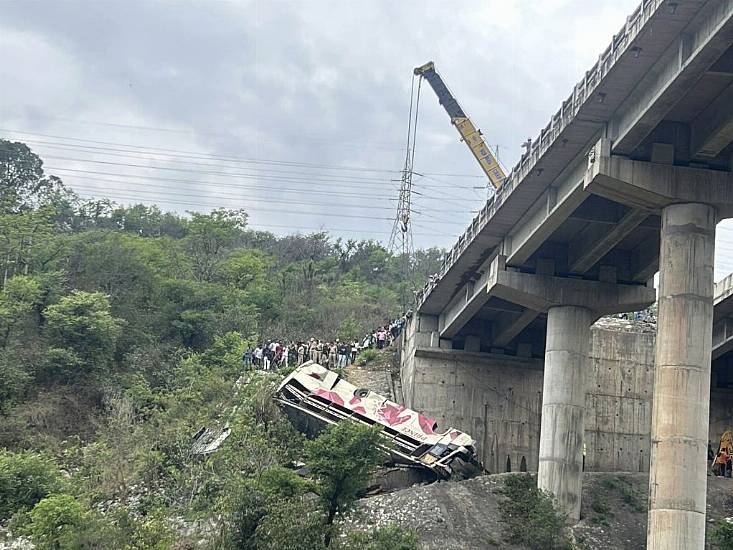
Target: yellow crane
[470,135]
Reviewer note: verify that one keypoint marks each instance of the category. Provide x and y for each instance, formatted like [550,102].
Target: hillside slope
[465,514]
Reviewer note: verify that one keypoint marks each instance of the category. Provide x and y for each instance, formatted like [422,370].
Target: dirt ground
[465,514]
[376,375]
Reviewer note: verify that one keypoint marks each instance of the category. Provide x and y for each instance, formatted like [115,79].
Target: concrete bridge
[629,177]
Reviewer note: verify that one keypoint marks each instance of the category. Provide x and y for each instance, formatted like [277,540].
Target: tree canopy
[121,334]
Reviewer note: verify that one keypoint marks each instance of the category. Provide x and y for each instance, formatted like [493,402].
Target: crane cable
[402,228]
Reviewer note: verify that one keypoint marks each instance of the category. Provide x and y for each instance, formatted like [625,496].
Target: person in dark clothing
[343,354]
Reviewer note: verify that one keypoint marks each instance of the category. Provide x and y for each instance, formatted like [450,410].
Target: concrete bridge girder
[651,187]
[542,292]
[693,52]
[536,295]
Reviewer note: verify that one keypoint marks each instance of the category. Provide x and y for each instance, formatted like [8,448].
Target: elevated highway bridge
[629,178]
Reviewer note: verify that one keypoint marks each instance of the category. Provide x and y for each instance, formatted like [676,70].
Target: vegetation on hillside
[530,516]
[121,335]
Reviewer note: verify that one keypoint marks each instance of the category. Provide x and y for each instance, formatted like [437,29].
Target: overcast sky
[294,110]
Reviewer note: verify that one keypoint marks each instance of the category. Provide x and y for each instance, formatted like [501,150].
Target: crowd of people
[272,355]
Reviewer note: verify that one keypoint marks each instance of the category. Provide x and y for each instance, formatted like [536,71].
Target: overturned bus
[314,397]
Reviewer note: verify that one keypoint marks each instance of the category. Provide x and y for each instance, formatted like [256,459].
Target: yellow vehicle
[469,133]
[726,443]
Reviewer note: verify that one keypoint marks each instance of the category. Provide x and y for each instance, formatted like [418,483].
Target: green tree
[343,458]
[22,180]
[210,236]
[255,506]
[244,269]
[82,332]
[195,312]
[55,522]
[17,301]
[25,478]
[22,235]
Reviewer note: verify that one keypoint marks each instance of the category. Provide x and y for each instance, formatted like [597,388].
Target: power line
[376,144]
[178,180]
[165,200]
[93,189]
[289,179]
[311,189]
[167,158]
[197,204]
[203,193]
[204,156]
[208,184]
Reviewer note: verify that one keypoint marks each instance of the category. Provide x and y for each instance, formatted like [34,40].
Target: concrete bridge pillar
[563,405]
[678,469]
[572,305]
[692,200]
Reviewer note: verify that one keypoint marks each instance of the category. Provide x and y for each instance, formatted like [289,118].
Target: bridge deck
[663,92]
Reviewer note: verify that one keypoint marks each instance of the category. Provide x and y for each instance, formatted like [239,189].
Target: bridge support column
[572,305]
[691,200]
[680,410]
[563,405]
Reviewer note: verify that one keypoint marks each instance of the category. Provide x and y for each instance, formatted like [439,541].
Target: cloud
[322,82]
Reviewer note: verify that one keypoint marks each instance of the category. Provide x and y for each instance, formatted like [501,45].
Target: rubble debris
[206,440]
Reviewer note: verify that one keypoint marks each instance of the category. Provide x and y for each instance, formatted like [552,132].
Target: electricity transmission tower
[400,240]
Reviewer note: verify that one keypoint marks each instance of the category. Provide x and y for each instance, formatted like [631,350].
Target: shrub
[25,478]
[631,497]
[56,521]
[291,525]
[530,516]
[391,537]
[255,507]
[722,535]
[62,522]
[602,510]
[367,356]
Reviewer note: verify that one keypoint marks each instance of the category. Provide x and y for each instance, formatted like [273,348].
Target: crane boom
[469,133]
